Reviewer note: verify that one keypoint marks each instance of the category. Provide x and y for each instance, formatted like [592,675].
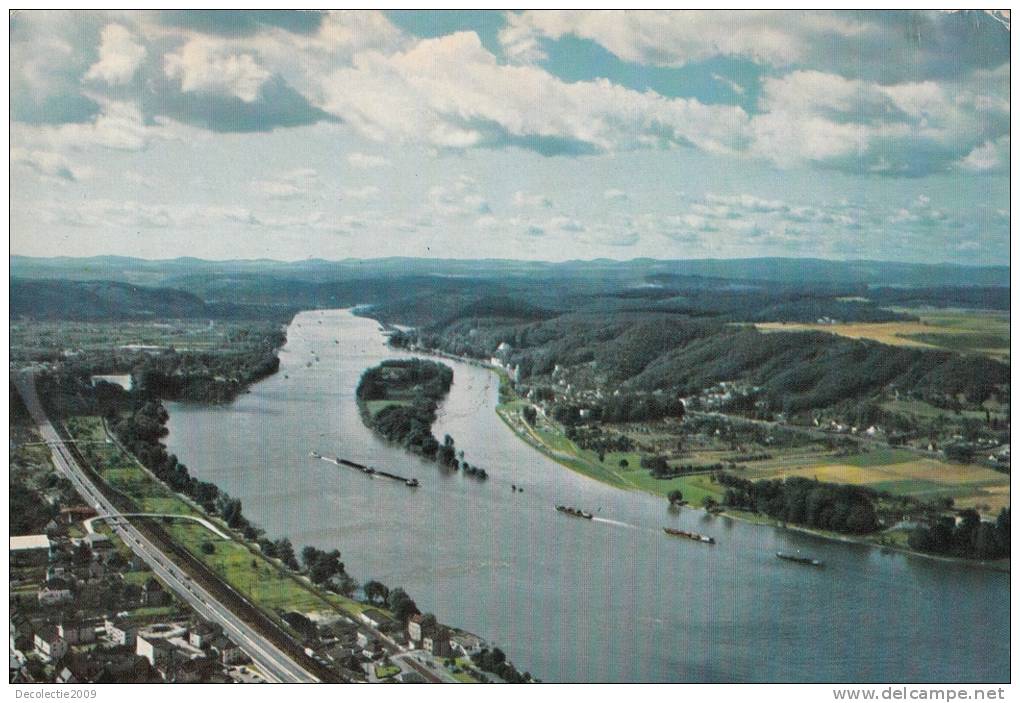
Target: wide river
[613,599]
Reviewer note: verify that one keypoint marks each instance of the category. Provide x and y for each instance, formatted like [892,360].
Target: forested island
[398,399]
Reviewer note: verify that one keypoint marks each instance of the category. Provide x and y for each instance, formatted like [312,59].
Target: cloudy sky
[546,135]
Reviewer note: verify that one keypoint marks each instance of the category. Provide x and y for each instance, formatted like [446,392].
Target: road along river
[612,599]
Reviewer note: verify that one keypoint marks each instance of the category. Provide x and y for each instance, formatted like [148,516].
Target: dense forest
[801,501]
[967,537]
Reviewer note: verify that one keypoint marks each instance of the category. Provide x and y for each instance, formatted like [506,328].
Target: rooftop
[27,542]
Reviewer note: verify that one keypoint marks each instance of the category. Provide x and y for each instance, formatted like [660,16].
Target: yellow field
[960,326]
[970,485]
[884,332]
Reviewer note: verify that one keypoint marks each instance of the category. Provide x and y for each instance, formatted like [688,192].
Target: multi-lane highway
[277,665]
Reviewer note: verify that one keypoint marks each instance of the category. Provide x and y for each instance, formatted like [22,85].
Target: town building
[30,550]
[49,645]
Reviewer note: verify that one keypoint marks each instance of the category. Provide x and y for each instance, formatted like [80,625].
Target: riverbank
[548,439]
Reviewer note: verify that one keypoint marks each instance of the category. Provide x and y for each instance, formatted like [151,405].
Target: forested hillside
[648,352]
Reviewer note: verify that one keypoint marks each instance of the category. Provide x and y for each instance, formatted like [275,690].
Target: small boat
[315,455]
[574,512]
[797,559]
[689,535]
[412,482]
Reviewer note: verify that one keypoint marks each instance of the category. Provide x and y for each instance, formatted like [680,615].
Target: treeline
[969,537]
[802,501]
[625,407]
[660,468]
[495,662]
[211,377]
[981,297]
[595,439]
[141,431]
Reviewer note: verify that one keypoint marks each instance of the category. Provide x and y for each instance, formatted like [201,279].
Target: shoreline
[1001,566]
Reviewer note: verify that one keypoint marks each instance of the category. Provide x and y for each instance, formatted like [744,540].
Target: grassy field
[385,672]
[374,406]
[548,438]
[970,331]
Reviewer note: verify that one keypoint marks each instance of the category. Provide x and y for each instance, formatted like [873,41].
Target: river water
[613,599]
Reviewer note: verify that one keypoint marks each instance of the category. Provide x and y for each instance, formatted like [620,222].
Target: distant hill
[785,270]
[113,300]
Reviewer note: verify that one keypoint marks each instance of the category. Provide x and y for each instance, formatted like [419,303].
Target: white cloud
[49,164]
[119,56]
[292,184]
[452,93]
[899,129]
[566,224]
[204,65]
[459,198]
[989,157]
[359,160]
[523,199]
[616,195]
[675,38]
[119,125]
[363,193]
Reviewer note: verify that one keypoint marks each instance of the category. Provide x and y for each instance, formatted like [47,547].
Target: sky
[546,135]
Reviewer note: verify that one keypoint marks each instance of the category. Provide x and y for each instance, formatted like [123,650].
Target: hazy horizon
[310,259]
[544,136]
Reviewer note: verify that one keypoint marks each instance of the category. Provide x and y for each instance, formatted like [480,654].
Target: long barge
[797,559]
[369,471]
[689,535]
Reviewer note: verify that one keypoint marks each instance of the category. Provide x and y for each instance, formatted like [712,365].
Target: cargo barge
[797,559]
[574,512]
[689,535]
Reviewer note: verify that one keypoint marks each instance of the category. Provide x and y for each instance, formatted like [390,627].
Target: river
[613,599]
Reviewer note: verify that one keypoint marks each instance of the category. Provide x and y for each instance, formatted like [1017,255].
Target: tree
[675,496]
[208,548]
[376,592]
[429,623]
[530,414]
[402,605]
[285,553]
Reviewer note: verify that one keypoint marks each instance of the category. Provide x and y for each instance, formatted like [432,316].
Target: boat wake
[608,521]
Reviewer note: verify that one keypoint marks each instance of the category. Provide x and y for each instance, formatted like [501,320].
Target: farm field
[899,472]
[968,331]
[896,471]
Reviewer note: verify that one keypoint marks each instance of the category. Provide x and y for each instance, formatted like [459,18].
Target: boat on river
[798,559]
[689,535]
[574,512]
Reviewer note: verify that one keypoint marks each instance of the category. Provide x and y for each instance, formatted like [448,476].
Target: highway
[276,664]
